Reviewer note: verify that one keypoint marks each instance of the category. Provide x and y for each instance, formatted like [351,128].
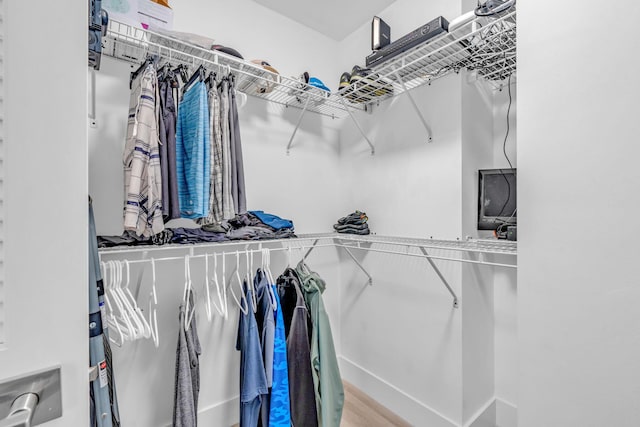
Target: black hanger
[197,76]
[211,80]
[181,70]
[150,59]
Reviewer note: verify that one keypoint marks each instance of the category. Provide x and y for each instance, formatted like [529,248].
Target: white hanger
[266,261]
[153,298]
[131,305]
[207,303]
[252,288]
[244,308]
[222,308]
[123,316]
[242,97]
[146,328]
[110,317]
[188,289]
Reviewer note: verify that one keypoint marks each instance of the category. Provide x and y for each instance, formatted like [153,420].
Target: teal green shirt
[326,373]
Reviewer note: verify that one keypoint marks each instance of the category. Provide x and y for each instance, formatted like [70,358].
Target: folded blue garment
[272,221]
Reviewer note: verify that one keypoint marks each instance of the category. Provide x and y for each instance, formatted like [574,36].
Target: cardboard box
[140,13]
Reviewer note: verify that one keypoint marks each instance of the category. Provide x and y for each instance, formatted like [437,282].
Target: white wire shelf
[486,45]
[495,247]
[132,44]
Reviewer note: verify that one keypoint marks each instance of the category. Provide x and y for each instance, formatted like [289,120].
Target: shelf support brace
[370,281]
[366,138]
[437,270]
[313,246]
[415,106]
[304,110]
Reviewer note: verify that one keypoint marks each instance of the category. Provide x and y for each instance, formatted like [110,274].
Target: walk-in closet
[325,250]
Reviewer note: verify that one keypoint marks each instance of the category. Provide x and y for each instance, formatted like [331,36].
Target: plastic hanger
[138,311]
[266,257]
[188,289]
[236,274]
[130,303]
[252,288]
[153,307]
[109,317]
[222,308]
[207,303]
[122,318]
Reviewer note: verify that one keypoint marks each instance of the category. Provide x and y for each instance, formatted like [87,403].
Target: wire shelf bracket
[415,105]
[364,135]
[439,273]
[293,135]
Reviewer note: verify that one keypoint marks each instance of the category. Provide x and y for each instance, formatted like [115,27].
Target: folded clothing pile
[354,223]
[252,225]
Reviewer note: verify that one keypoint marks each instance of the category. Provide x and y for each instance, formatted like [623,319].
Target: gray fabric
[168,117]
[215,183]
[301,385]
[187,385]
[238,186]
[227,197]
[267,330]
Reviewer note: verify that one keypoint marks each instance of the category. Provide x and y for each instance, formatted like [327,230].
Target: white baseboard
[404,405]
[506,413]
[496,413]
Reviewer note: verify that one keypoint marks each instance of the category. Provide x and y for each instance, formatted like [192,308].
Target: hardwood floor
[360,410]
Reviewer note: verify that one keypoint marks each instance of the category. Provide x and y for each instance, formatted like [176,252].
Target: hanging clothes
[326,373]
[253,379]
[227,194]
[216,214]
[187,383]
[192,152]
[237,164]
[141,158]
[167,126]
[266,329]
[100,414]
[280,407]
[301,386]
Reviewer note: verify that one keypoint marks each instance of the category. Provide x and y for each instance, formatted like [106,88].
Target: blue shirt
[193,163]
[280,411]
[272,221]
[253,381]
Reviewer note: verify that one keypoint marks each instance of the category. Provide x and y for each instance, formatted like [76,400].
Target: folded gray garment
[350,227]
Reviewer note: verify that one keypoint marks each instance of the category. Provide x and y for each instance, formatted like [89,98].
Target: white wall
[409,188]
[303,187]
[577,276]
[45,188]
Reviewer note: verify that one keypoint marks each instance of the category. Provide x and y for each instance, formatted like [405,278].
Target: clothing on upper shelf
[301,387]
[227,192]
[167,132]
[215,191]
[326,373]
[253,379]
[192,152]
[187,383]
[237,166]
[354,223]
[141,158]
[242,227]
[271,220]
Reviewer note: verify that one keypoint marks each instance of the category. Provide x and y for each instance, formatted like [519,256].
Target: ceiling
[333,18]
